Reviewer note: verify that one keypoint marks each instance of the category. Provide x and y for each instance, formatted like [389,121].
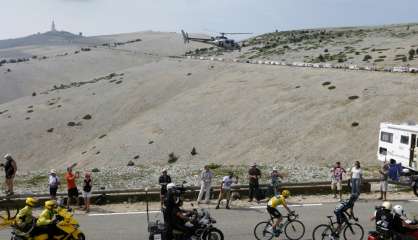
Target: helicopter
[220,41]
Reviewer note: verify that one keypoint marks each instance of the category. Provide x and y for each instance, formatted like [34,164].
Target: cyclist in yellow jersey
[272,206]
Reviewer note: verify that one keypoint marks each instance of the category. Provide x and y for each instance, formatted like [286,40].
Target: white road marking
[125,213]
[144,212]
[295,205]
[413,200]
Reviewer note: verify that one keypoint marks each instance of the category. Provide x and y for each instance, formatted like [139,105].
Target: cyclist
[341,211]
[272,209]
[24,218]
[402,225]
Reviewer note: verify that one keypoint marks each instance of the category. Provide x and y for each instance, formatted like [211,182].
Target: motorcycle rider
[180,219]
[383,219]
[24,218]
[403,226]
[46,222]
[272,205]
[341,211]
[169,205]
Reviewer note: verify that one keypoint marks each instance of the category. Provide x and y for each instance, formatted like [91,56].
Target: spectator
[10,169]
[163,181]
[54,183]
[71,185]
[225,192]
[275,181]
[384,176]
[395,170]
[356,178]
[253,175]
[336,179]
[87,187]
[205,185]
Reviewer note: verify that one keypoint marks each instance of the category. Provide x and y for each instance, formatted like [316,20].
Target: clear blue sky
[96,17]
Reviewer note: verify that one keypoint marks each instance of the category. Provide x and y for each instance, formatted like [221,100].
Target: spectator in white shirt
[205,185]
[53,183]
[356,178]
[225,192]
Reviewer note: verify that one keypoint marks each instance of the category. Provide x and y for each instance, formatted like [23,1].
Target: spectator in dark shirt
[10,169]
[163,181]
[253,175]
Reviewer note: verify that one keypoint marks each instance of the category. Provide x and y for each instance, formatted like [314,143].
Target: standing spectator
[163,181]
[87,187]
[10,169]
[336,179]
[395,170]
[356,178]
[253,175]
[275,181]
[54,183]
[71,185]
[225,192]
[205,185]
[384,175]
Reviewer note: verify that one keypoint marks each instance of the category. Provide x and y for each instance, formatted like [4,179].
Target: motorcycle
[65,222]
[204,226]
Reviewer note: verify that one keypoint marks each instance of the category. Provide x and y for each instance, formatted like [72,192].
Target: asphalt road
[237,224]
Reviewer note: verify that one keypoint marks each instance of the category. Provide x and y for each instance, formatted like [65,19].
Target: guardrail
[153,194]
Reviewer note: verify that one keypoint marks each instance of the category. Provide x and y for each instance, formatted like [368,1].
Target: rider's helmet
[387,205]
[398,209]
[353,198]
[171,186]
[7,156]
[286,193]
[31,202]
[51,204]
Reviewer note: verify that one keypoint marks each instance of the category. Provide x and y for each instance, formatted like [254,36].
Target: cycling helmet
[398,209]
[31,202]
[387,205]
[285,193]
[171,186]
[7,156]
[51,204]
[353,198]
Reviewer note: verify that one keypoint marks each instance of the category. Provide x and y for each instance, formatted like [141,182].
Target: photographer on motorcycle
[24,218]
[402,225]
[180,219]
[46,222]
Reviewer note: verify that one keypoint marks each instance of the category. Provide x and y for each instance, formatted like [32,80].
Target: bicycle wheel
[294,230]
[263,231]
[322,232]
[353,231]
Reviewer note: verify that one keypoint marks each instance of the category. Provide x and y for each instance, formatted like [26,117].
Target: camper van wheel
[416,188]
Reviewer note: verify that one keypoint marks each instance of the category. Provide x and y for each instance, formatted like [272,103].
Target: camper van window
[383,151]
[405,140]
[386,137]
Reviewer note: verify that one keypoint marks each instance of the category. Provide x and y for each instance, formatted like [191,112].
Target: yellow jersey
[277,201]
[45,218]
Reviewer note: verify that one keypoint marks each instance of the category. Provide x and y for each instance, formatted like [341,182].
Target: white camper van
[399,142]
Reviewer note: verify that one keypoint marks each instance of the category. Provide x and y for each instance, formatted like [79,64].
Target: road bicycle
[350,230]
[293,228]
